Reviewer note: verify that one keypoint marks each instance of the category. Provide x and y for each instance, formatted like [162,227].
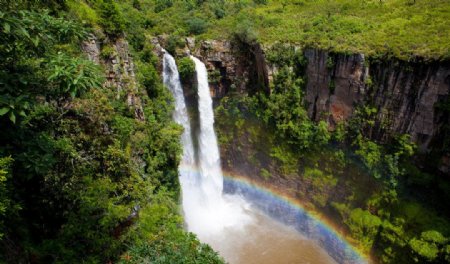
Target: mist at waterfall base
[239,229]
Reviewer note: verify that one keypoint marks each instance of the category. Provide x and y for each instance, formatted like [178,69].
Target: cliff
[119,70]
[406,95]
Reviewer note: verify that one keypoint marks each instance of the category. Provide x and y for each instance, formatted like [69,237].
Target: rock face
[91,48]
[405,95]
[220,57]
[119,71]
[334,84]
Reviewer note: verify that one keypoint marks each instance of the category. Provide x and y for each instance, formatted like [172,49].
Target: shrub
[147,55]
[72,76]
[321,184]
[84,12]
[112,19]
[288,162]
[108,52]
[364,226]
[261,2]
[370,154]
[186,68]
[214,76]
[245,33]
[137,4]
[6,205]
[173,42]
[322,135]
[265,174]
[403,146]
[162,5]
[196,25]
[148,77]
[428,246]
[219,11]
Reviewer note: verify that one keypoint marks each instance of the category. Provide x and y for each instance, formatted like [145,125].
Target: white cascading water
[208,212]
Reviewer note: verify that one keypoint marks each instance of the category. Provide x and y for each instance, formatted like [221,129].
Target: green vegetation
[364,188]
[265,174]
[82,177]
[322,185]
[108,52]
[364,226]
[196,26]
[111,19]
[402,28]
[186,68]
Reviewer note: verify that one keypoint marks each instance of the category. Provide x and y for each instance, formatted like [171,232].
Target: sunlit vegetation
[402,28]
[186,68]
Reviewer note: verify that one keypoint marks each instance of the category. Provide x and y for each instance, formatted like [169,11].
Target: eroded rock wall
[406,95]
[119,70]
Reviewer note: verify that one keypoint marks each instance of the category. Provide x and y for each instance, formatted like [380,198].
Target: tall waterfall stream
[230,224]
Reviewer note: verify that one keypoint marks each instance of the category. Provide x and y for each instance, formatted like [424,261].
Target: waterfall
[171,79]
[188,178]
[207,211]
[209,158]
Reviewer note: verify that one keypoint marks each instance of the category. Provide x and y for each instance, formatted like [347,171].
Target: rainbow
[291,212]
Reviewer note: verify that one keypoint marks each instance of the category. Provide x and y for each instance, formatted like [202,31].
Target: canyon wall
[410,97]
[406,95]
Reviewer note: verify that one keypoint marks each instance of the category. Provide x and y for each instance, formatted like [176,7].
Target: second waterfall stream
[238,231]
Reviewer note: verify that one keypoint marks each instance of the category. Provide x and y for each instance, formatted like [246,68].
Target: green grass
[397,27]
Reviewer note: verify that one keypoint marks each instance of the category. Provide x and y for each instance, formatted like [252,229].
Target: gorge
[239,228]
[212,131]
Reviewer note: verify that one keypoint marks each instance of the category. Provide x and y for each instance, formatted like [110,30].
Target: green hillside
[404,28]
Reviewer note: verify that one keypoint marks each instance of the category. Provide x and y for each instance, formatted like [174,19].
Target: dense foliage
[403,28]
[186,68]
[82,177]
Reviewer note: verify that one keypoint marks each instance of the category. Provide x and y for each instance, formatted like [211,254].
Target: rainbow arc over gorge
[291,212]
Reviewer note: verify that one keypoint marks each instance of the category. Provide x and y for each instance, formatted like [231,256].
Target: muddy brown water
[266,241]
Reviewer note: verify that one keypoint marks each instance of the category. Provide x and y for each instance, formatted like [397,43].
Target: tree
[428,246]
[364,226]
[196,25]
[112,20]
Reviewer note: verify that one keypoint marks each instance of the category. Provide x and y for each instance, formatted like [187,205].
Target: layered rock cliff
[405,94]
